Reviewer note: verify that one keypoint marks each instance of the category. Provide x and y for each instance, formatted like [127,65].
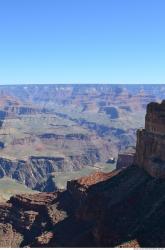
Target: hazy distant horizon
[70,84]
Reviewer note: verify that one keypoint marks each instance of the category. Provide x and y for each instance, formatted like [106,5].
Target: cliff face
[32,171]
[150,148]
[36,169]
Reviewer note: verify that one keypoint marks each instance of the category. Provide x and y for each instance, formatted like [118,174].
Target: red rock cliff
[150,148]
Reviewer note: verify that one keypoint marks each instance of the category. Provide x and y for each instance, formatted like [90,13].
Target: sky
[82,41]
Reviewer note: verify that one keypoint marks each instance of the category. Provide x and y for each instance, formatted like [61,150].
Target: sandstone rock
[155,118]
[123,209]
[9,237]
[44,238]
[32,201]
[91,179]
[150,148]
[130,244]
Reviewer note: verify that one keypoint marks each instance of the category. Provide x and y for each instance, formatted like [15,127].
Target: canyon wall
[150,148]
[36,169]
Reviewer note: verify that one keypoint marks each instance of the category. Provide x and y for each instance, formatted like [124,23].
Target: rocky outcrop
[126,158]
[26,217]
[90,180]
[150,147]
[40,219]
[155,118]
[119,209]
[79,188]
[9,238]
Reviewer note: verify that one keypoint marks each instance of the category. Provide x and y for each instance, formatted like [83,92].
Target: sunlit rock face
[150,148]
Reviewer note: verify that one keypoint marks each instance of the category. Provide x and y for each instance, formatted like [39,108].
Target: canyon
[50,134]
[121,208]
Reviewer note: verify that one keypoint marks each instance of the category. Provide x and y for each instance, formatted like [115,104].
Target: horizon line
[78,83]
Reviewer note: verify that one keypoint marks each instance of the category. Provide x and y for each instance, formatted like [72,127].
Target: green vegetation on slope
[9,187]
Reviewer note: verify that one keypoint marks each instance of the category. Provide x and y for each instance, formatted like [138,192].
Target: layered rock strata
[150,148]
[124,208]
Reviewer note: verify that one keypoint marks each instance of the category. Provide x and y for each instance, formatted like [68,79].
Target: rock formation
[124,208]
[150,149]
[126,158]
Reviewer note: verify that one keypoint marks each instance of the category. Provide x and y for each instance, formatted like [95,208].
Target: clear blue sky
[88,41]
